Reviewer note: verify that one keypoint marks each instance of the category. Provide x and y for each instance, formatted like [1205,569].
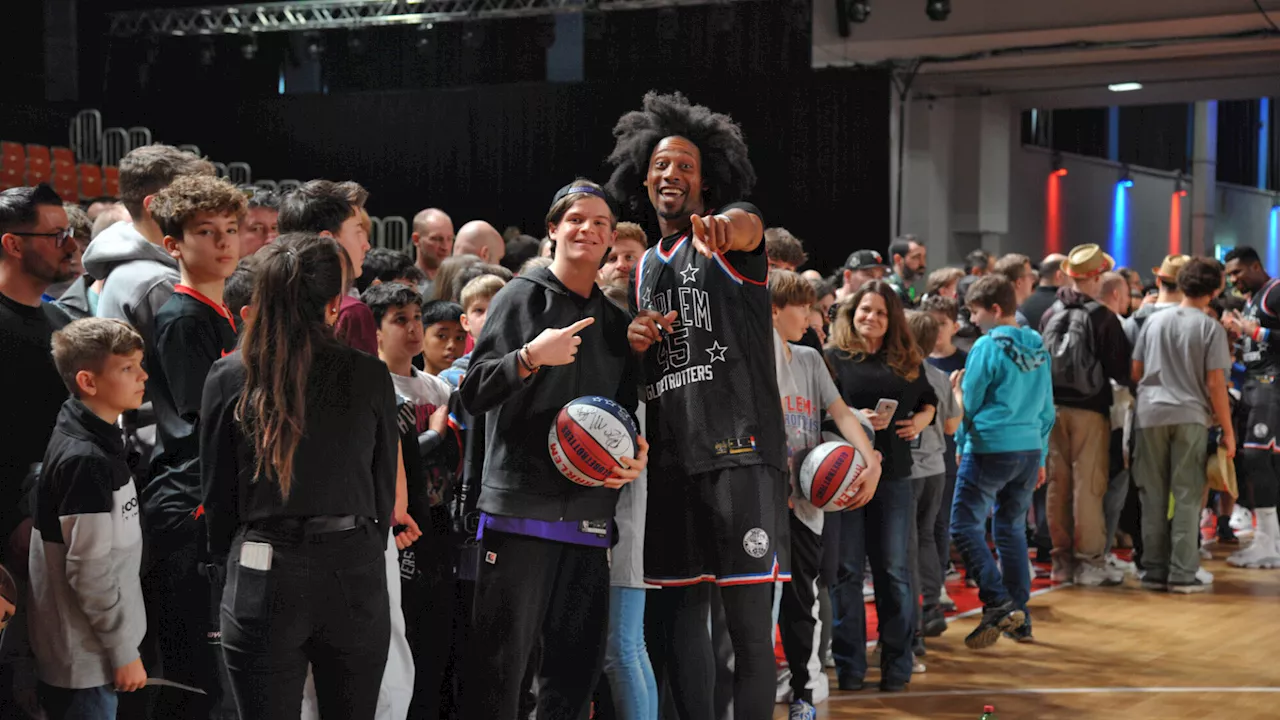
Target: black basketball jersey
[1262,357]
[710,388]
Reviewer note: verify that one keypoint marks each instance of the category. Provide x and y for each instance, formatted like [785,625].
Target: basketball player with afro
[551,336]
[718,490]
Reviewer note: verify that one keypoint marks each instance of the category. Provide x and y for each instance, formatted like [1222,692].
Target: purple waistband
[593,533]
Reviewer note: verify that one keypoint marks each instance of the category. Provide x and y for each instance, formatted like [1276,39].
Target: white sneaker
[1205,554]
[918,667]
[868,589]
[1241,519]
[1097,576]
[945,602]
[1204,576]
[1124,567]
[1262,553]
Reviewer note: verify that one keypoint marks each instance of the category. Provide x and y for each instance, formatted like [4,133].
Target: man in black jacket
[551,336]
[1046,293]
[1079,445]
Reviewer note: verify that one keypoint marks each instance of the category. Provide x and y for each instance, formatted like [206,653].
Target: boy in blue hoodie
[1007,393]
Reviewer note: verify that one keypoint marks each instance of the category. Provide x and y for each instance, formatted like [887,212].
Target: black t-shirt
[192,332]
[864,382]
[948,365]
[31,395]
[710,387]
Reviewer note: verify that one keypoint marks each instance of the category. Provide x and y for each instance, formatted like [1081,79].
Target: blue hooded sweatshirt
[1008,394]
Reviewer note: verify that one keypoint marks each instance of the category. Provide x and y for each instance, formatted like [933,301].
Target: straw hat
[1087,261]
[1169,269]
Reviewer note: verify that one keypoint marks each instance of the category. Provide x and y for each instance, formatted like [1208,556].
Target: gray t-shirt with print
[1178,347]
[928,452]
[807,390]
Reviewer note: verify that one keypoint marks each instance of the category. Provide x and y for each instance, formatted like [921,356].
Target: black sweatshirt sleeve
[494,373]
[1114,350]
[219,476]
[386,445]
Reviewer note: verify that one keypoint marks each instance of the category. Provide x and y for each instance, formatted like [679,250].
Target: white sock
[1268,522]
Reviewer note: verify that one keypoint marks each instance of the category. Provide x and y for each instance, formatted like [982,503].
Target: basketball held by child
[588,437]
[829,475]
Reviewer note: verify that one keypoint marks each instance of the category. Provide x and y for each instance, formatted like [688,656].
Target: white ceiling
[1056,53]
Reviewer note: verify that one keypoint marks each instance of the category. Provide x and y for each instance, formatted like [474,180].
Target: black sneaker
[890,685]
[935,622]
[995,620]
[1226,536]
[850,684]
[1022,634]
[917,646]
[1187,588]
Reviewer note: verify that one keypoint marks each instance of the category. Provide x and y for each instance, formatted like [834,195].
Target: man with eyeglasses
[36,250]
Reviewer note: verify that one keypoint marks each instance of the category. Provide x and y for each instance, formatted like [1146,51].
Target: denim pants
[879,531]
[95,703]
[1005,481]
[626,660]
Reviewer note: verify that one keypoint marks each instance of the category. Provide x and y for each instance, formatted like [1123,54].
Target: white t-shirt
[420,388]
[807,390]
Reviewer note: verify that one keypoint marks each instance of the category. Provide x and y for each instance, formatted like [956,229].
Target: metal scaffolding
[304,15]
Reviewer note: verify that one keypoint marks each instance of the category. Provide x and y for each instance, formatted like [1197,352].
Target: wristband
[1260,334]
[527,364]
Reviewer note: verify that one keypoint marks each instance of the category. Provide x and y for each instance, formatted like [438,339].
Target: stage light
[1125,87]
[314,43]
[1180,185]
[207,53]
[937,9]
[859,10]
[1120,220]
[1058,170]
[249,48]
[423,40]
[355,42]
[1126,178]
[473,36]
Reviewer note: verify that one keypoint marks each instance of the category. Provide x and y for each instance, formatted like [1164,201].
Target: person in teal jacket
[1007,394]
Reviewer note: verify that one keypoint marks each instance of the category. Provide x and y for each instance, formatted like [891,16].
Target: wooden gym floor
[1105,653]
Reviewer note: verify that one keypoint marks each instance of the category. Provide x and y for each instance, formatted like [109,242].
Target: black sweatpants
[798,615]
[323,601]
[528,590]
[680,648]
[427,597]
[184,595]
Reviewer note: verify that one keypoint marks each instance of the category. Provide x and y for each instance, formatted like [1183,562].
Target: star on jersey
[716,351]
[689,274]
[647,299]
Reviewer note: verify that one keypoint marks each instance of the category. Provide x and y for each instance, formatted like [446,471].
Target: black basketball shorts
[726,526]
[1261,412]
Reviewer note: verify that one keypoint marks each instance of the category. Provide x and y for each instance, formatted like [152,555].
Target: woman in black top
[876,358]
[298,445]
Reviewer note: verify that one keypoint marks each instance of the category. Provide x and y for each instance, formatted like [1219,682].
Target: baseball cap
[865,260]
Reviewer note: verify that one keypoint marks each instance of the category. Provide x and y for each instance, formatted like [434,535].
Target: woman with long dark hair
[299,443]
[880,370]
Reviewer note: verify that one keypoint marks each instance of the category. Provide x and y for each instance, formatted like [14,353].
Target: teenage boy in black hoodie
[551,336]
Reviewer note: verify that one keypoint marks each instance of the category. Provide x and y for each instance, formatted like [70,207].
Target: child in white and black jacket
[86,612]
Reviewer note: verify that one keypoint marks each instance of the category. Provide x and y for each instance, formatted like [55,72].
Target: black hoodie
[519,477]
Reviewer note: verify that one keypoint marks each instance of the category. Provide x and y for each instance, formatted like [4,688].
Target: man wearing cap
[909,263]
[1169,296]
[862,267]
[1089,348]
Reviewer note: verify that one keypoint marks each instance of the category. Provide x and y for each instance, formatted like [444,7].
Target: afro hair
[726,170]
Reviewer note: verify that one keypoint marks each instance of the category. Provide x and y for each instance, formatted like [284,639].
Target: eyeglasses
[60,237]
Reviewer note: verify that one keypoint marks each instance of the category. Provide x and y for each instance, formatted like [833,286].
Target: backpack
[1077,372]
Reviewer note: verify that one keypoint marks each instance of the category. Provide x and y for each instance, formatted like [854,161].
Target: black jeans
[530,589]
[323,601]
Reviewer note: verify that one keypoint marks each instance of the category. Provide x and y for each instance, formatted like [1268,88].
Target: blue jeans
[626,661]
[1007,482]
[95,703]
[881,531]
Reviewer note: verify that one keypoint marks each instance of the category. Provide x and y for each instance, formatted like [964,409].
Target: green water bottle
[988,712]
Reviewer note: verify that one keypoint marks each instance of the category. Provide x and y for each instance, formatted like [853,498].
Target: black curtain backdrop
[818,140]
